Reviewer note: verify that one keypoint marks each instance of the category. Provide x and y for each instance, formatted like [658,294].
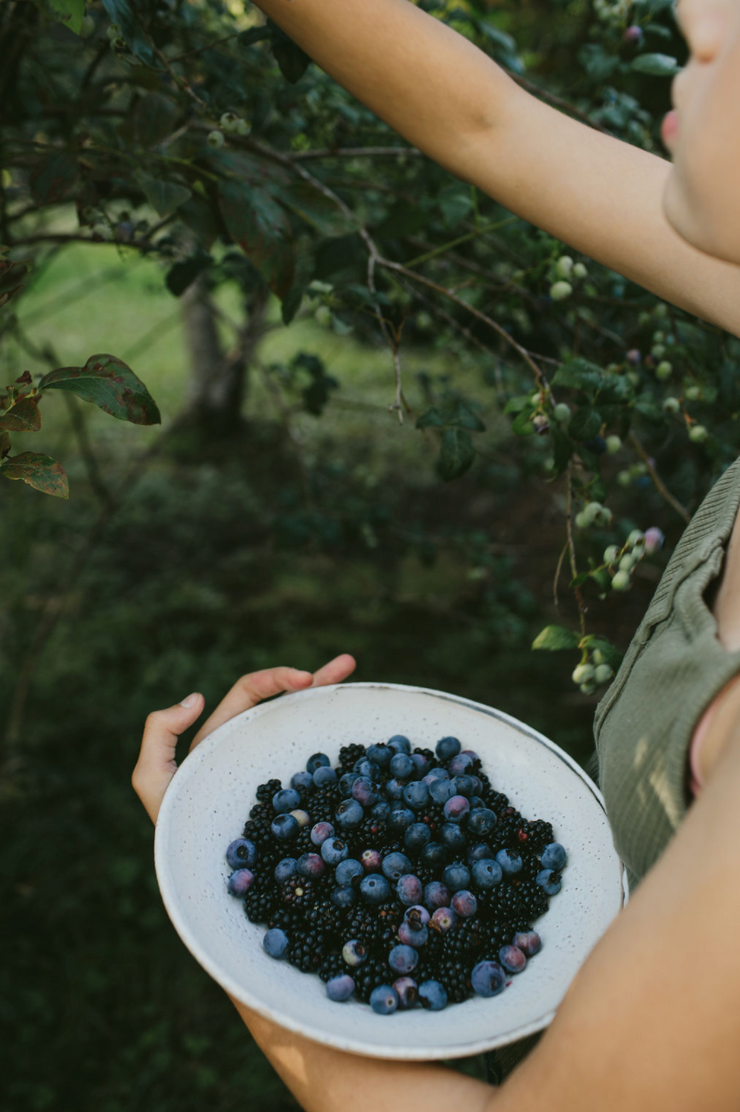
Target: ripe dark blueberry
[407,991]
[432,995]
[553,856]
[416,795]
[510,861]
[334,850]
[375,888]
[384,999]
[346,782]
[399,743]
[479,852]
[462,763]
[354,952]
[456,876]
[441,790]
[413,934]
[417,913]
[452,837]
[241,854]
[464,785]
[310,865]
[436,895]
[464,903]
[400,818]
[416,836]
[436,773]
[444,919]
[285,869]
[285,828]
[340,988]
[302,782]
[529,942]
[324,774]
[421,765]
[456,808]
[344,896]
[394,789]
[276,943]
[381,811]
[488,978]
[395,865]
[401,766]
[287,799]
[349,871]
[549,881]
[320,832]
[512,958]
[481,821]
[409,889]
[349,814]
[240,882]
[371,860]
[316,761]
[447,747]
[403,959]
[380,754]
[368,770]
[433,855]
[363,790]
[486,873]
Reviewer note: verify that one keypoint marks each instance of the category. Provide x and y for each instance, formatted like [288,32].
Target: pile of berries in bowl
[401,878]
[256,754]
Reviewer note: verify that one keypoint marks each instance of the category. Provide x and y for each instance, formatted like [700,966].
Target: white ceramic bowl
[209,800]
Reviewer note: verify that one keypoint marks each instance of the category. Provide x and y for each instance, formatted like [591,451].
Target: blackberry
[376,927]
[259,832]
[323,803]
[392,846]
[497,801]
[265,792]
[370,833]
[259,903]
[348,754]
[466,940]
[262,811]
[333,965]
[374,972]
[285,919]
[533,901]
[303,843]
[433,816]
[497,935]
[505,833]
[508,902]
[296,892]
[531,865]
[327,916]
[430,955]
[429,754]
[535,835]
[307,950]
[455,976]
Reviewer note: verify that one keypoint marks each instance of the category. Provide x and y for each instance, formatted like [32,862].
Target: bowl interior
[209,800]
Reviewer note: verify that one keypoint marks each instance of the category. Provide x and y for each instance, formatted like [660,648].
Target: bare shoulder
[601,196]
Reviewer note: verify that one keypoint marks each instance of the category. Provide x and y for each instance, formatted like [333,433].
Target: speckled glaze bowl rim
[201,754]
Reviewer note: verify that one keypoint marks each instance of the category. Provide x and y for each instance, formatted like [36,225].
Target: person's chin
[694,220]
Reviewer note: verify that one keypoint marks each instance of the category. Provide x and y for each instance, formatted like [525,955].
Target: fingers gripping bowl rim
[209,799]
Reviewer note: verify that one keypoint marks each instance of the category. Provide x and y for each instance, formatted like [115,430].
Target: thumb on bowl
[156,764]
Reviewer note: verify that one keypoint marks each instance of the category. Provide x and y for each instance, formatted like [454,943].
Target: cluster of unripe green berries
[115,37]
[624,560]
[321,313]
[592,672]
[230,123]
[612,11]
[593,513]
[566,271]
[626,477]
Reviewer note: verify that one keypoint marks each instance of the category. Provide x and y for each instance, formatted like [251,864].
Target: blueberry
[512,958]
[367,769]
[456,808]
[310,865]
[417,913]
[380,754]
[412,934]
[474,758]
[464,785]
[407,991]
[433,854]
[436,773]
[432,995]
[349,814]
[364,791]
[302,817]
[399,743]
[334,850]
[444,919]
[416,836]
[479,852]
[344,896]
[509,860]
[549,880]
[403,959]
[394,789]
[486,872]
[320,832]
[436,895]
[340,988]
[381,810]
[285,827]
[302,782]
[553,856]
[481,821]
[401,766]
[348,871]
[464,903]
[409,889]
[529,942]
[441,790]
[285,868]
[316,761]
[452,837]
[241,854]
[456,876]
[286,800]
[384,999]
[354,952]
[371,860]
[477,785]
[447,747]
[476,803]
[276,943]
[488,978]
[461,764]
[375,888]
[400,818]
[240,882]
[395,864]
[421,766]
[416,794]
[346,780]
[324,774]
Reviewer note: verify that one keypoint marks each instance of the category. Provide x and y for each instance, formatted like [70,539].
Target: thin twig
[557,576]
[572,547]
[355,152]
[659,484]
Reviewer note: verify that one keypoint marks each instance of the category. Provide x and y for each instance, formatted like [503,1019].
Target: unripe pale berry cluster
[567,271]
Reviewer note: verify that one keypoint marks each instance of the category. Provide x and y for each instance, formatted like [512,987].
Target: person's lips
[669,127]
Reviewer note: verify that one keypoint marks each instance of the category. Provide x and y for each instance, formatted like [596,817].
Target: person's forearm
[430,84]
[326,1080]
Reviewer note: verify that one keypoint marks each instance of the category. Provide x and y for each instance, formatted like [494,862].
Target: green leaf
[556,637]
[562,449]
[69,12]
[579,374]
[12,275]
[292,303]
[110,384]
[292,61]
[517,404]
[612,655]
[259,225]
[456,203]
[24,416]
[163,196]
[506,42]
[317,209]
[41,472]
[432,419]
[4,443]
[456,454]
[522,425]
[121,13]
[660,65]
[54,177]
[584,423]
[461,416]
[651,411]
[154,118]
[184,273]
[580,579]
[199,216]
[316,394]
